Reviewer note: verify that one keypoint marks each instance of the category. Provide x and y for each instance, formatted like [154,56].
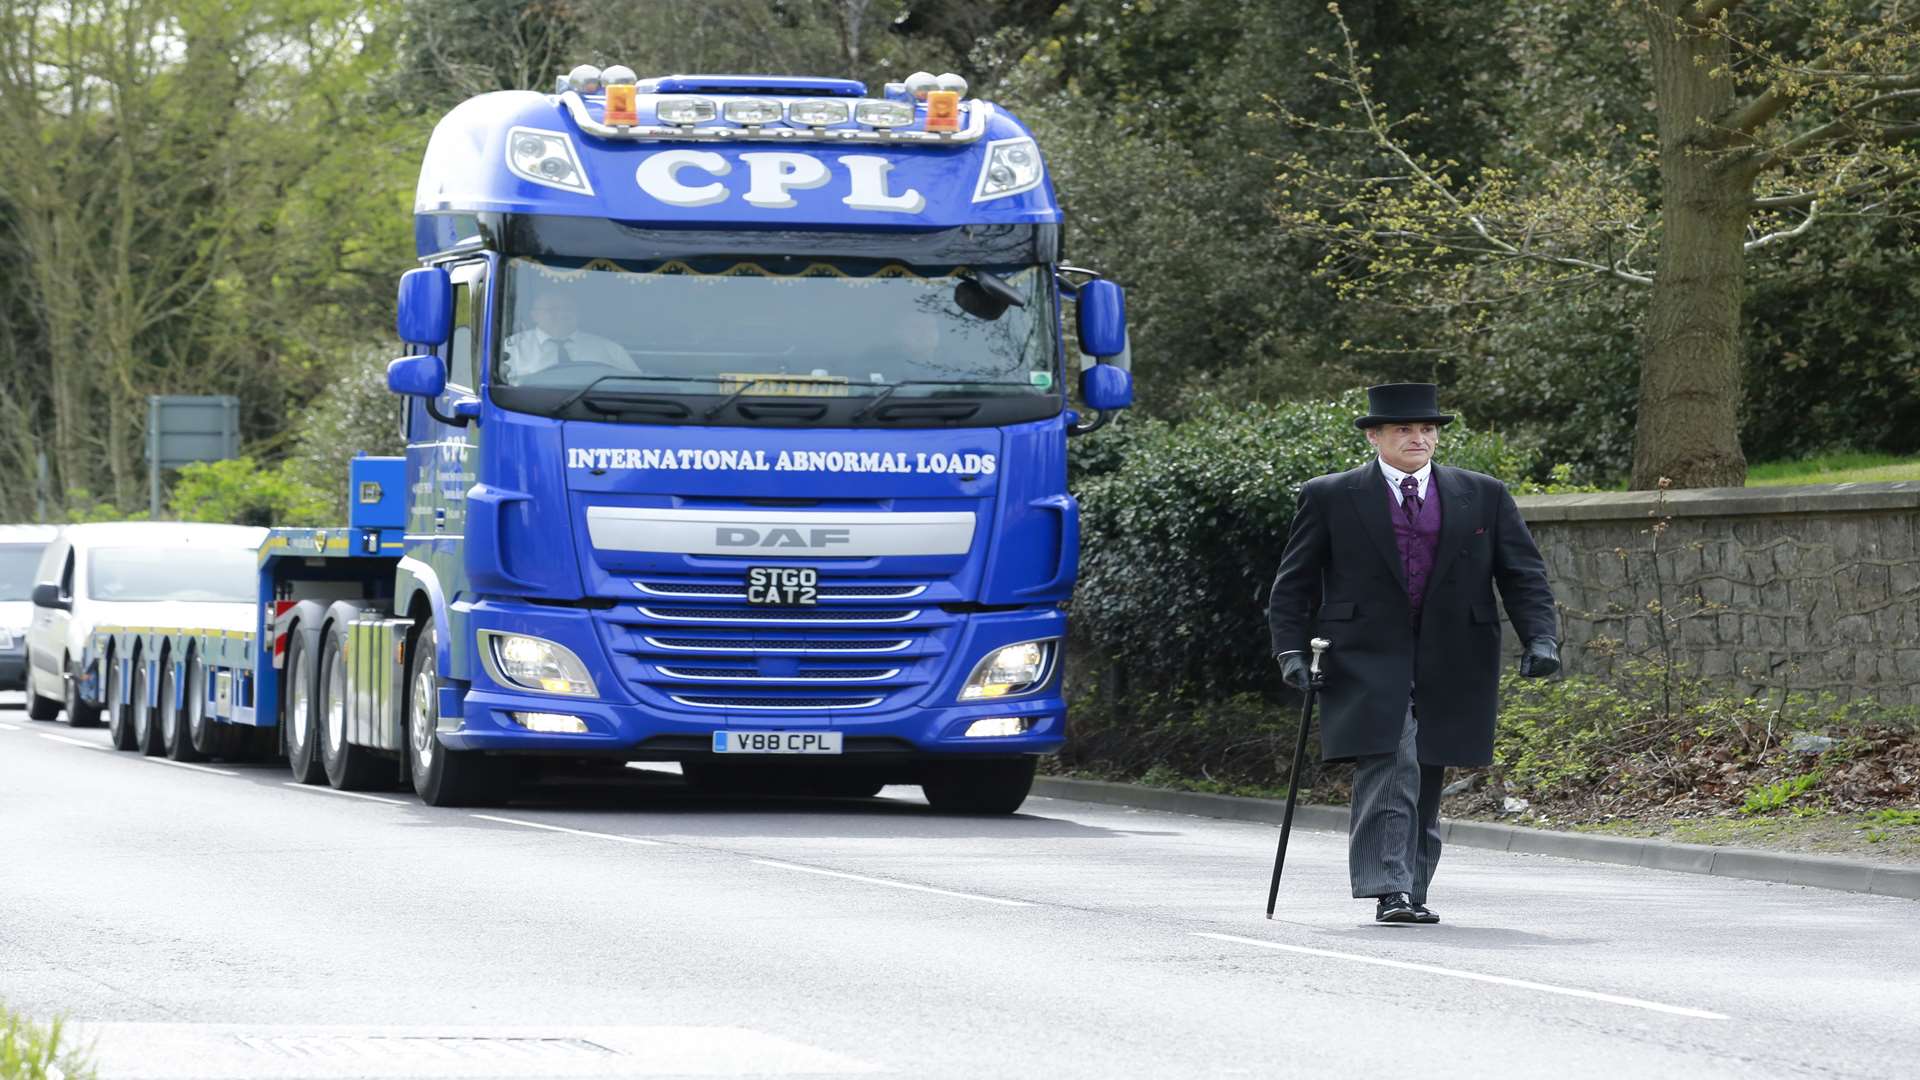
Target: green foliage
[1853,467]
[1767,798]
[30,1051]
[83,506]
[1180,542]
[1896,817]
[240,492]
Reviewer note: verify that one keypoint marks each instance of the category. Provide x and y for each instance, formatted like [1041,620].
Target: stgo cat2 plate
[783,586]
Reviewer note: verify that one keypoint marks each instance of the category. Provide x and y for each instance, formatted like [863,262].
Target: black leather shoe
[1395,908]
[1423,914]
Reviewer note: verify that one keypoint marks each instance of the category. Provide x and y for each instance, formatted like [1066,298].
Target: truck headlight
[533,663]
[1015,669]
[1012,166]
[546,157]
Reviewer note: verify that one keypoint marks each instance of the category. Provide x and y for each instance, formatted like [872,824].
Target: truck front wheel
[979,787]
[443,777]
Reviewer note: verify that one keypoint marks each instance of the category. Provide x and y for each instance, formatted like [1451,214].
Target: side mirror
[48,596]
[1106,388]
[418,376]
[1103,318]
[425,313]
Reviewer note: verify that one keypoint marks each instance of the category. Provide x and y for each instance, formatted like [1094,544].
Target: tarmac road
[220,922]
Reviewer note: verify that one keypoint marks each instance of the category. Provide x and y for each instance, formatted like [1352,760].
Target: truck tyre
[443,777]
[119,729]
[146,726]
[79,712]
[40,708]
[298,718]
[174,734]
[979,787]
[349,767]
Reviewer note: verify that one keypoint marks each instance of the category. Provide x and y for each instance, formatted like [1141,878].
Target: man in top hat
[1396,563]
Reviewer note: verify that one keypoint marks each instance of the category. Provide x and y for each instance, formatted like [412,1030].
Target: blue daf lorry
[736,420]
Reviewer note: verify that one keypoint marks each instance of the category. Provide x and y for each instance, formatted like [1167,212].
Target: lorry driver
[556,338]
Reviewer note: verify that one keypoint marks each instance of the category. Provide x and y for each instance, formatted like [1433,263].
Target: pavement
[219,922]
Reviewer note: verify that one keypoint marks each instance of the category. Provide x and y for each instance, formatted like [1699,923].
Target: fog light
[553,723]
[999,726]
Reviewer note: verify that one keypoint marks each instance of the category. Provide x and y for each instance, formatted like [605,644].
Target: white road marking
[575,832]
[9,727]
[1500,980]
[892,884]
[189,765]
[317,790]
[73,742]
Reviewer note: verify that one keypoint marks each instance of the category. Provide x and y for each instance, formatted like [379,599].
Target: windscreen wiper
[891,387]
[574,398]
[738,394]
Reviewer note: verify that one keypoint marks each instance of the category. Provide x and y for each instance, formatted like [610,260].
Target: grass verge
[30,1051]
[1834,469]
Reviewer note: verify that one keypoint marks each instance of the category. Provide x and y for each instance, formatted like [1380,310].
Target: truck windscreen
[712,331]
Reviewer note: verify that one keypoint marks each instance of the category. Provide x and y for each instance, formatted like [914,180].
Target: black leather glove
[1293,670]
[1541,658]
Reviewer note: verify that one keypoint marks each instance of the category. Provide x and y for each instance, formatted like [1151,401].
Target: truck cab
[736,436]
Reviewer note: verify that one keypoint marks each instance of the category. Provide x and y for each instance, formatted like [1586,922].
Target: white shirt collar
[1394,476]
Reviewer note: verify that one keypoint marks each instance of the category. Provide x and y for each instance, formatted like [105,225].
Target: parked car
[129,574]
[20,549]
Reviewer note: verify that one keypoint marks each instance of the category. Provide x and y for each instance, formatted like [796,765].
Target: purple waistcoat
[1418,540]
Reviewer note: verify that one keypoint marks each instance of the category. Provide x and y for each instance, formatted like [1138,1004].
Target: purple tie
[1410,501]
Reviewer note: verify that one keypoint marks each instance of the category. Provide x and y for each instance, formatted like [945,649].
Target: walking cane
[1319,645]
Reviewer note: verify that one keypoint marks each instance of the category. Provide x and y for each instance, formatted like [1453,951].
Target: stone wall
[1768,590]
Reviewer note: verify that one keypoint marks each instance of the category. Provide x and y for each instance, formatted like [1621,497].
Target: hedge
[1182,528]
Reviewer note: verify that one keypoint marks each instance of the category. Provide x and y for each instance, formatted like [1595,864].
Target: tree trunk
[1690,366]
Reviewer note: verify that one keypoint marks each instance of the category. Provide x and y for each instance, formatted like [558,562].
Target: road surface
[220,922]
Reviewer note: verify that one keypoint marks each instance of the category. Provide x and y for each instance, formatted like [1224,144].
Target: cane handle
[1319,646]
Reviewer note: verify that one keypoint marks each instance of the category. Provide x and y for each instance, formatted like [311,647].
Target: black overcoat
[1342,578]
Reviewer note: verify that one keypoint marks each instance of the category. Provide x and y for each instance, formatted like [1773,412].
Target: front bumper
[629,718]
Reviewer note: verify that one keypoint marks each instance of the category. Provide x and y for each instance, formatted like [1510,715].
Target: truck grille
[847,654]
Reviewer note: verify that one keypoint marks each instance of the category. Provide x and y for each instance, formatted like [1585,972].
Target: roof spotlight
[950,81]
[585,79]
[922,83]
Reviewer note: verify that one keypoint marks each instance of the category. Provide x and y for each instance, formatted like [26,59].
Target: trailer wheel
[146,727]
[979,787]
[443,777]
[174,734]
[299,719]
[349,767]
[119,729]
[79,712]
[205,734]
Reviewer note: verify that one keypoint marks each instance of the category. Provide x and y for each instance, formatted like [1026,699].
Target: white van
[21,547]
[131,573]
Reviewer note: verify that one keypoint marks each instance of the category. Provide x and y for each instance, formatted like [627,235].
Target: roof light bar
[685,111]
[820,112]
[883,114]
[751,112]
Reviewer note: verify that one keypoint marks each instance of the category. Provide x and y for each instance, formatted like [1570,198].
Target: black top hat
[1403,403]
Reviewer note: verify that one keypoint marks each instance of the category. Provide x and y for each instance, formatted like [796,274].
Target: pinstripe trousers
[1393,840]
